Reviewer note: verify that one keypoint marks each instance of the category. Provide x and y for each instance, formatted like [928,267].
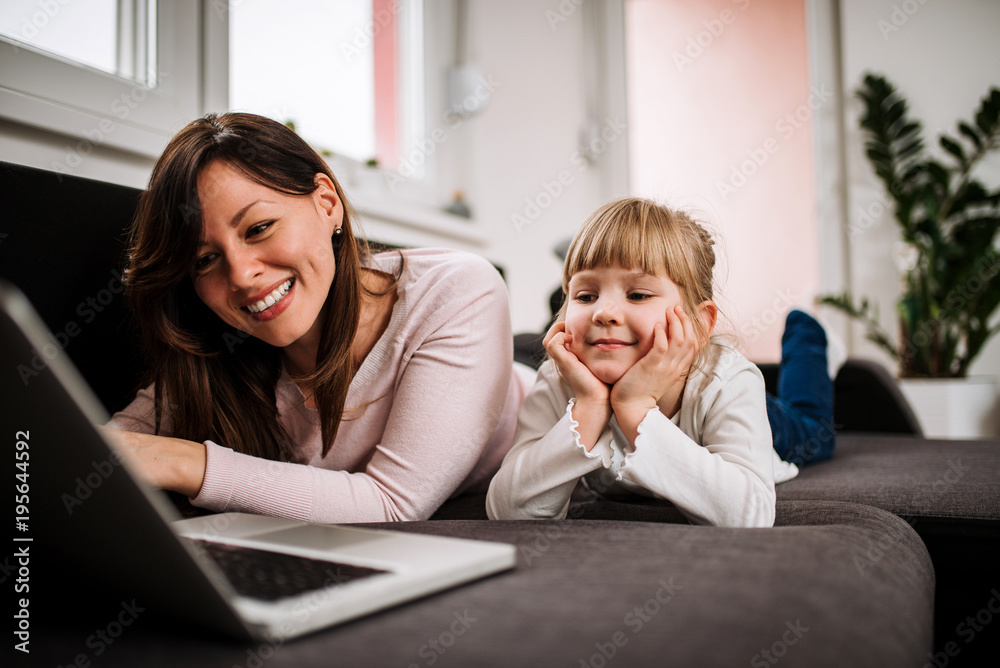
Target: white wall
[45,150]
[942,56]
[527,185]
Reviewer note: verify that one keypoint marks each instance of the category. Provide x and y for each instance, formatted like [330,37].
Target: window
[125,73]
[116,37]
[350,74]
[347,73]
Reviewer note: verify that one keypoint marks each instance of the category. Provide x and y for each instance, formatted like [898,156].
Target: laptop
[245,575]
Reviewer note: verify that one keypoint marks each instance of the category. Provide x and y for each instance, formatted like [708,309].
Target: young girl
[636,386]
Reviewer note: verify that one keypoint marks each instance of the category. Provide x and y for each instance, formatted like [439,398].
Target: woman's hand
[591,406]
[168,463]
[659,377]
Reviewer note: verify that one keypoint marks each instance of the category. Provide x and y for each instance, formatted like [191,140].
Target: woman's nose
[244,267]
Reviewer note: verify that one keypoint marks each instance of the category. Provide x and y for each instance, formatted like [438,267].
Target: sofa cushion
[866,399]
[63,247]
[910,477]
[949,491]
[809,592]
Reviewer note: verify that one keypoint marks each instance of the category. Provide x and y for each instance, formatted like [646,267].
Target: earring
[338,238]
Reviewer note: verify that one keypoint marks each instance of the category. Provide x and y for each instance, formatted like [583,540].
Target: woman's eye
[258,229]
[202,263]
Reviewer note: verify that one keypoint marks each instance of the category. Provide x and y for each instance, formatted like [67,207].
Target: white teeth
[272,299]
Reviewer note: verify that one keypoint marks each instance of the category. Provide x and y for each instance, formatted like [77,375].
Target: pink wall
[720,111]
[384,54]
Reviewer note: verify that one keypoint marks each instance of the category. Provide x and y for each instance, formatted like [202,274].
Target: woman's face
[265,263]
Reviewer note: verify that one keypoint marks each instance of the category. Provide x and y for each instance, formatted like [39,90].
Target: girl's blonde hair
[637,233]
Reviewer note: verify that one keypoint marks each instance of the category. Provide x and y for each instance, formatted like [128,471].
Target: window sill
[400,216]
[391,220]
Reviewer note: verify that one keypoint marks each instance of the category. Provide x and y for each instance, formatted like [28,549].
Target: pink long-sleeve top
[442,405]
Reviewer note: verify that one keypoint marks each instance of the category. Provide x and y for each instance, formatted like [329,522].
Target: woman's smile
[273,302]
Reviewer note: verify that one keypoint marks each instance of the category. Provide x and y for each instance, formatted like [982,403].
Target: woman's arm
[539,473]
[446,396]
[168,463]
[727,481]
[164,462]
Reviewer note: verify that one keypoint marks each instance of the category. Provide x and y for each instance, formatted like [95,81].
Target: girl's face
[610,314]
[266,263]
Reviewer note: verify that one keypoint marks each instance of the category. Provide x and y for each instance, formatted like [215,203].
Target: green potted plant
[949,220]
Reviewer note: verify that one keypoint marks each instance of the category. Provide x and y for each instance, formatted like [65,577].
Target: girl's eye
[585,299]
[638,296]
[258,229]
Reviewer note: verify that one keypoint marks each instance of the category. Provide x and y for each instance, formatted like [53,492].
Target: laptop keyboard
[271,576]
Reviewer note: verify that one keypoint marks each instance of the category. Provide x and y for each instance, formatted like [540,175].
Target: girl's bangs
[622,241]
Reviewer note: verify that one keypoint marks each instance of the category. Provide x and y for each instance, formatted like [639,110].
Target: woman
[293,373]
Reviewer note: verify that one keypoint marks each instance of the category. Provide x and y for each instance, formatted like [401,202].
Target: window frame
[50,92]
[46,91]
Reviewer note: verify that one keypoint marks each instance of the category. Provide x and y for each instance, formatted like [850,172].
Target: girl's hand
[168,463]
[659,377]
[586,387]
[592,405]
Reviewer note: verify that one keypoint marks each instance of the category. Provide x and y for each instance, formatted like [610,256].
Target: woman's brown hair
[216,382]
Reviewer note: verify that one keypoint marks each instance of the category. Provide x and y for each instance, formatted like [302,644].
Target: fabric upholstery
[866,399]
[63,247]
[906,476]
[811,592]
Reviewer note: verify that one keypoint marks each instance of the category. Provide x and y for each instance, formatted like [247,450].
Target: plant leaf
[938,173]
[971,133]
[988,115]
[868,315]
[895,111]
[952,220]
[910,149]
[954,148]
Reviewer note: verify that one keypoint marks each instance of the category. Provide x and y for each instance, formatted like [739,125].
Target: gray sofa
[878,557]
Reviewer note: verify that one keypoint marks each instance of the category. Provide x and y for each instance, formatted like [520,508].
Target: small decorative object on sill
[948,256]
[458,207]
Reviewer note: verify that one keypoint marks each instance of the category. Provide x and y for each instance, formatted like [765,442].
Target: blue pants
[801,416]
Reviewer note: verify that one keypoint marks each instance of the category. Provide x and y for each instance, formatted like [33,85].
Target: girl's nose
[607,312]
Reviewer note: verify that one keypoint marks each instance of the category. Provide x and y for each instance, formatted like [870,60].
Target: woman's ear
[709,313]
[328,202]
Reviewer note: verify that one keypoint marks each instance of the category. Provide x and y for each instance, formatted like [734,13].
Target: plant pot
[955,407]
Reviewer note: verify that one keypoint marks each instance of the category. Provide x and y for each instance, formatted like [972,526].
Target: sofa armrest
[866,399]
